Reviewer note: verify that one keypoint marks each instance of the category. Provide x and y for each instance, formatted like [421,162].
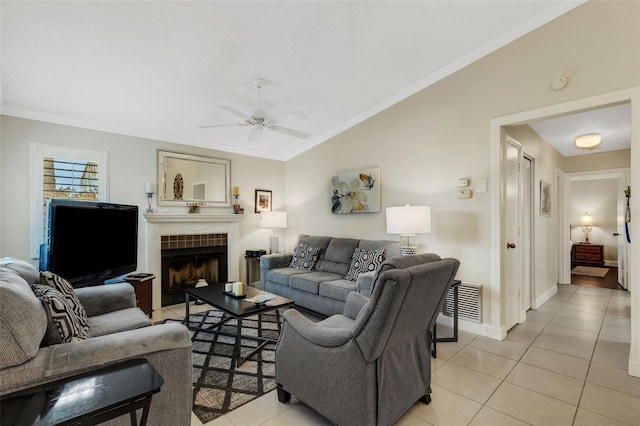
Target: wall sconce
[587,222]
[408,221]
[273,220]
[150,189]
[236,205]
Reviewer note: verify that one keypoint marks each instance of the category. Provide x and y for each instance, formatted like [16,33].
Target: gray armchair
[119,331]
[369,365]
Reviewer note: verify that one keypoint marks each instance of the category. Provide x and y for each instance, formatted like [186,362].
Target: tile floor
[565,365]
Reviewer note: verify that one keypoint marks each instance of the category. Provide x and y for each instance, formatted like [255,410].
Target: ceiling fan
[261,119]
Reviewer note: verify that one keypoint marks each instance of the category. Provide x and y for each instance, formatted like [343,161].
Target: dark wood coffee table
[237,309]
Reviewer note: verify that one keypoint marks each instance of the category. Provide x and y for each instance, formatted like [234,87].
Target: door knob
[511,245]
[615,234]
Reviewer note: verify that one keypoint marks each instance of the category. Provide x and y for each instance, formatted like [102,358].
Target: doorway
[554,232]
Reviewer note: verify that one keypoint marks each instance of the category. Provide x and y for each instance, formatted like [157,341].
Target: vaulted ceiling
[161,70]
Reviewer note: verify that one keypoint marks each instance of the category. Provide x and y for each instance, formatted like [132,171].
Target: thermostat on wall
[464,182]
[463,193]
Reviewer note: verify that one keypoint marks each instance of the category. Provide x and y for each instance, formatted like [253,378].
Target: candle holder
[149,197]
[236,206]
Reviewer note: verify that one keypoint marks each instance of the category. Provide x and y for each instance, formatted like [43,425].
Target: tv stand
[143,285]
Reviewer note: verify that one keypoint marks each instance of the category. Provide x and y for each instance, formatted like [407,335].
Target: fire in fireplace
[188,258]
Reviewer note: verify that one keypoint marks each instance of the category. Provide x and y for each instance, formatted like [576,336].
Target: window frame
[37,153]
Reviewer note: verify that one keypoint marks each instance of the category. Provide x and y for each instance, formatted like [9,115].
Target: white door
[511,248]
[622,231]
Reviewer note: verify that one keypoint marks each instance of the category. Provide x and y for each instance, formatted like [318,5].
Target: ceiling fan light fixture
[588,141]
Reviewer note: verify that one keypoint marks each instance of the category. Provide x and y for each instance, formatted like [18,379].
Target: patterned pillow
[62,325]
[364,261]
[305,256]
[67,291]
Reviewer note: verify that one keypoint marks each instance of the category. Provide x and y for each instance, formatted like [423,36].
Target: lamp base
[273,245]
[407,250]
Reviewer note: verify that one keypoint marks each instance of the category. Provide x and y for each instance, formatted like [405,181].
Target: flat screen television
[89,242]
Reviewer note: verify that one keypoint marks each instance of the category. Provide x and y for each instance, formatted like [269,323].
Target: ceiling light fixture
[589,141]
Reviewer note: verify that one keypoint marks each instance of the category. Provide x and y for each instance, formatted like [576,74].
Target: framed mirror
[186,178]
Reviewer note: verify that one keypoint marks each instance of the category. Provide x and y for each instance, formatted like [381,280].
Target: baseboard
[634,367]
[540,300]
[611,263]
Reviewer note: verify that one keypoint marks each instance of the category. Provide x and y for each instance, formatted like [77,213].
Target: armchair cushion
[23,322]
[364,261]
[305,256]
[63,325]
[22,268]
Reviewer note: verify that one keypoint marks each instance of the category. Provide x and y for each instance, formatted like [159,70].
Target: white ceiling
[613,123]
[160,69]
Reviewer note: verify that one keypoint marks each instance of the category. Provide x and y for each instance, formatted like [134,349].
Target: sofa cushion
[23,321]
[63,324]
[305,256]
[281,275]
[338,289]
[117,321]
[364,261]
[310,281]
[337,257]
[63,286]
[24,269]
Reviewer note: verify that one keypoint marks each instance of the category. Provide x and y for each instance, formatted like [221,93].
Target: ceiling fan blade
[290,116]
[290,132]
[222,125]
[236,112]
[255,134]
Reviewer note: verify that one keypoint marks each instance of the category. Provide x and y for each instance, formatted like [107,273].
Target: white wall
[133,162]
[425,143]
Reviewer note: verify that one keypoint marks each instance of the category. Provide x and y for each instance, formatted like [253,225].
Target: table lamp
[587,222]
[273,220]
[408,221]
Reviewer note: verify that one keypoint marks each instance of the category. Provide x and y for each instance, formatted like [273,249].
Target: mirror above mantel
[185,178]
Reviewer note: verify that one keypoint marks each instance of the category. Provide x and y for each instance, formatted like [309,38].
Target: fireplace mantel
[191,218]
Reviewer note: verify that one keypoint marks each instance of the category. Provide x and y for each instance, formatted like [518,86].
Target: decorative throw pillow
[63,325]
[68,292]
[305,256]
[364,261]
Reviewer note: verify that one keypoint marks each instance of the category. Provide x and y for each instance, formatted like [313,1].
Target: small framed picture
[263,200]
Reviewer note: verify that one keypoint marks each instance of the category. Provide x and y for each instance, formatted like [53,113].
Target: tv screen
[90,242]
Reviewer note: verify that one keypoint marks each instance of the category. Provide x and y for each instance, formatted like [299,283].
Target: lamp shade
[273,220]
[586,220]
[409,220]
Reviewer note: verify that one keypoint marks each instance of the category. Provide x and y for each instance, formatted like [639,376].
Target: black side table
[454,286]
[87,399]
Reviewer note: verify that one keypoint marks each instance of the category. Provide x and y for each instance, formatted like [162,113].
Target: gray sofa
[118,331]
[323,289]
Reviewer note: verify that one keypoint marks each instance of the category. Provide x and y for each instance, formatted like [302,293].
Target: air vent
[469,302]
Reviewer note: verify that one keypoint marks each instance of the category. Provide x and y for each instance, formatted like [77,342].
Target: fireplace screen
[183,267]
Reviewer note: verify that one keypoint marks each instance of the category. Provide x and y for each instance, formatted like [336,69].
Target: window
[59,172]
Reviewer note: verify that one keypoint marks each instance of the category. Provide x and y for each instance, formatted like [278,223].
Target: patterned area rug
[217,386]
[590,271]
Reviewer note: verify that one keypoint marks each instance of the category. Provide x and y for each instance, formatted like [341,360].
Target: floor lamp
[273,220]
[408,221]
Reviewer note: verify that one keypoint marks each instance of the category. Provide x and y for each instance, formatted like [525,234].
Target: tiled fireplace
[188,258]
[184,232]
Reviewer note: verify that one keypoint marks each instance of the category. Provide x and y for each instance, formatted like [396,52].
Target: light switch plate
[481,185]
[463,193]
